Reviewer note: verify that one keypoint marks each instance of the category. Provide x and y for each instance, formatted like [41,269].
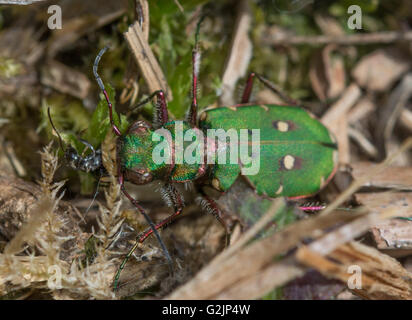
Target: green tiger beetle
[298,155]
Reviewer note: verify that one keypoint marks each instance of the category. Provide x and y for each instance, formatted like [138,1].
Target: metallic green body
[298,155]
[135,154]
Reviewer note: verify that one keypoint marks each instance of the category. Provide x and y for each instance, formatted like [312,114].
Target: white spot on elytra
[279,191]
[282,126]
[288,162]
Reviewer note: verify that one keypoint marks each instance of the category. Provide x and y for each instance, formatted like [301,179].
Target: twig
[363,142]
[382,277]
[358,183]
[225,272]
[342,106]
[335,119]
[146,60]
[393,109]
[20,2]
[406,119]
[240,53]
[364,38]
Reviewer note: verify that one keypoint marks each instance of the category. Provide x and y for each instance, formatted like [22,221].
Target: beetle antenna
[54,128]
[143,102]
[198,28]
[101,85]
[270,85]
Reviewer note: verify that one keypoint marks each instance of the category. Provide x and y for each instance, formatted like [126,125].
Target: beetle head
[135,154]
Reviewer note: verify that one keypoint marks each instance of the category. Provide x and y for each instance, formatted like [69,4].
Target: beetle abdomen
[297,154]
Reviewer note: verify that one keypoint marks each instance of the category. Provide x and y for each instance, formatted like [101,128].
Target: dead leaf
[395,233]
[327,73]
[65,79]
[378,70]
[335,120]
[399,178]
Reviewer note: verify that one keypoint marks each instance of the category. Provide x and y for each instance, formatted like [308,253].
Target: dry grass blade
[336,120]
[64,79]
[146,60]
[393,109]
[240,54]
[350,231]
[363,179]
[250,263]
[406,119]
[248,236]
[359,39]
[241,265]
[20,2]
[382,277]
[142,7]
[343,105]
[363,142]
[263,281]
[393,177]
[394,235]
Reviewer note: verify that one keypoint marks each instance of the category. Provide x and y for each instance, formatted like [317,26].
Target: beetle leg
[210,206]
[172,198]
[312,207]
[273,87]
[153,229]
[161,113]
[248,89]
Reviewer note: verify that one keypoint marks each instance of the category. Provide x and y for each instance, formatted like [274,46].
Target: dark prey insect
[89,163]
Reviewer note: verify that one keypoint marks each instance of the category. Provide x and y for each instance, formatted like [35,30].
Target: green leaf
[100,121]
[275,294]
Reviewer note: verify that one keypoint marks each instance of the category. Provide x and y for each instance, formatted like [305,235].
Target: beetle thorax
[145,154]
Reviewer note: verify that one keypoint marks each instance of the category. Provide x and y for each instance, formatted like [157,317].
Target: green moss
[9,68]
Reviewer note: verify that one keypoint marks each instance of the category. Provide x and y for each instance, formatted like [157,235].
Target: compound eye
[71,154]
